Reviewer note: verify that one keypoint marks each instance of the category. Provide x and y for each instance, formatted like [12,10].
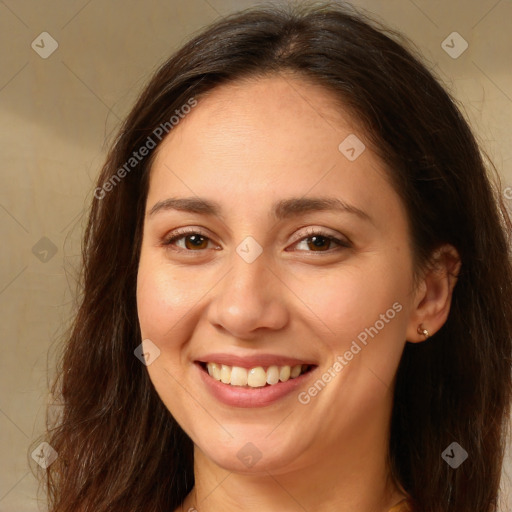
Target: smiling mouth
[256,377]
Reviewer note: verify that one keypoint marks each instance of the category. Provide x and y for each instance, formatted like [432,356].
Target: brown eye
[319,242]
[193,240]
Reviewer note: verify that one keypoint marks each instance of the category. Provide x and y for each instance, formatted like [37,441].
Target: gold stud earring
[423,331]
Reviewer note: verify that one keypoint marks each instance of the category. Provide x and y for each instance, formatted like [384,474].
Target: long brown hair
[118,446]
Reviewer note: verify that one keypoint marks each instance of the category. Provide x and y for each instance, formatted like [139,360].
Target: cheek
[163,305]
[162,298]
[348,300]
[360,314]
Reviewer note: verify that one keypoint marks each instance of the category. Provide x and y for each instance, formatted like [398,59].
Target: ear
[433,296]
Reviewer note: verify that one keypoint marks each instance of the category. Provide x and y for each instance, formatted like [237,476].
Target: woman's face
[266,171]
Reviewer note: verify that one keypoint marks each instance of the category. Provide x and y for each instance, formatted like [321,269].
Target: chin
[249,454]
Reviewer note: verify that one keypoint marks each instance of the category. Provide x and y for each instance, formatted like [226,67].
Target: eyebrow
[283,209]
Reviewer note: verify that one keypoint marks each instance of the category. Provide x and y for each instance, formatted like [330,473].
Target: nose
[250,298]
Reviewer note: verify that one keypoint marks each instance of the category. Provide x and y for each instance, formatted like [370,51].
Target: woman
[215,362]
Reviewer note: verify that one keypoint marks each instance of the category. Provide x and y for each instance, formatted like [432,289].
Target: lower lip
[238,396]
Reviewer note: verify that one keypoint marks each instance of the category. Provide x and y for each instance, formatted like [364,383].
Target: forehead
[286,92]
[269,105]
[266,138]
[275,119]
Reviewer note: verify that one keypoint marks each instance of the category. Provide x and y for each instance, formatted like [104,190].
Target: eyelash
[311,232]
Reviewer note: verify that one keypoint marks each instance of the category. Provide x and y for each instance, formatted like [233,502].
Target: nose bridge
[248,298]
[249,271]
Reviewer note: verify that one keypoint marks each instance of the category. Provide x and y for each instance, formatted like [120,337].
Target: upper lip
[253,361]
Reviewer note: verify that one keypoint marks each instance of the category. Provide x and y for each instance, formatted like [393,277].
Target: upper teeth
[255,377]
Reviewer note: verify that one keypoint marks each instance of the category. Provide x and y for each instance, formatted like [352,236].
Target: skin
[328,455]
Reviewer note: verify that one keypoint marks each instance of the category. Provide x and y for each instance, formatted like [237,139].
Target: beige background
[56,115]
